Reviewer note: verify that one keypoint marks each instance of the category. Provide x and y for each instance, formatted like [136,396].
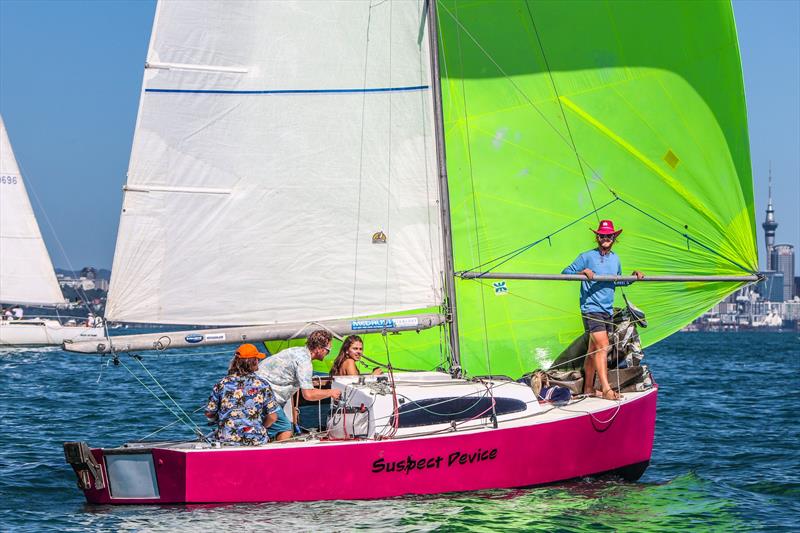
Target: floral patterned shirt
[237,406]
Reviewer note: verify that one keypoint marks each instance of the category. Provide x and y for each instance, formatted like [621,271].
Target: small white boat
[44,332]
[26,273]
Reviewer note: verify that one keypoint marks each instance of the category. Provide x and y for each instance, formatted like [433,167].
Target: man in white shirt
[290,370]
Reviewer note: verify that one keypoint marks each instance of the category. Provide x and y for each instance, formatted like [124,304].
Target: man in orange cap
[597,304]
[241,405]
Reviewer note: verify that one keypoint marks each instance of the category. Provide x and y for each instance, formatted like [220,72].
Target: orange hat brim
[257,355]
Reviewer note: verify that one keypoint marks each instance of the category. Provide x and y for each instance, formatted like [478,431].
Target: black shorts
[593,322]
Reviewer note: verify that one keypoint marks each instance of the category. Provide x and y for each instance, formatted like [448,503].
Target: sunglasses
[607,237]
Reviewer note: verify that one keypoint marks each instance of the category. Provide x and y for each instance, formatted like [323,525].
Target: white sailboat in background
[26,273]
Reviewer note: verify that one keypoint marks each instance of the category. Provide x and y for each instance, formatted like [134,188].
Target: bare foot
[610,394]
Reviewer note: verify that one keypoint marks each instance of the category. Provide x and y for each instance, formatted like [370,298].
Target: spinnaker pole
[580,277]
[444,192]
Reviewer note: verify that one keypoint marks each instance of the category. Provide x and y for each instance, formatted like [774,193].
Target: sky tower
[770,225]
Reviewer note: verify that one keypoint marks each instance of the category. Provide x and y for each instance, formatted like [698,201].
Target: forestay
[555,111]
[283,166]
[26,273]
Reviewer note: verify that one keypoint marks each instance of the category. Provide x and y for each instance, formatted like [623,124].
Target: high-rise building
[782,260]
[771,287]
[770,226]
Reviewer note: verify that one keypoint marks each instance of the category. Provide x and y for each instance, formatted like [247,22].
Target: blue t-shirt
[597,296]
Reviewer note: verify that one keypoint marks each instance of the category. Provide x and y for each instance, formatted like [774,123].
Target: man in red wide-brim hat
[597,304]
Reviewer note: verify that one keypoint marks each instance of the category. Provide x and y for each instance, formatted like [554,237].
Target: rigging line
[687,236]
[139,360]
[522,249]
[596,175]
[560,105]
[79,289]
[176,415]
[529,300]
[472,184]
[471,394]
[562,311]
[361,161]
[374,362]
[159,430]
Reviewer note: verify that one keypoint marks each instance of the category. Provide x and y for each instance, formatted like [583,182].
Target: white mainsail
[277,145]
[26,273]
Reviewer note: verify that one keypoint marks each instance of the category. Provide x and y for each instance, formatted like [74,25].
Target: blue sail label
[374,323]
[385,323]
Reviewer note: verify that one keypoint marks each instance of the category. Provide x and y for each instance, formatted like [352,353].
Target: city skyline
[70,79]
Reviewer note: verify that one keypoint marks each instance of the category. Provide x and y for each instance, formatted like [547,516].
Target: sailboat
[26,273]
[418,173]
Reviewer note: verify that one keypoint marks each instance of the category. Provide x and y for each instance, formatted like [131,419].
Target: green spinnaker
[632,111]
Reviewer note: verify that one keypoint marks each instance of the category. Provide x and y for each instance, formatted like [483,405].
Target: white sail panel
[274,140]
[26,273]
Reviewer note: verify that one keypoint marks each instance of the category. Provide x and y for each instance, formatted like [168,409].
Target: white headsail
[26,273]
[283,166]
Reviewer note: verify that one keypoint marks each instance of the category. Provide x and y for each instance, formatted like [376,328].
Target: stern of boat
[127,475]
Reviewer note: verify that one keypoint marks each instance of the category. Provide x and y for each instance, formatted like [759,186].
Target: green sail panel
[558,114]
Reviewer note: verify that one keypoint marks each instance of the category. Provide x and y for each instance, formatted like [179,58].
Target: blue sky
[71,72]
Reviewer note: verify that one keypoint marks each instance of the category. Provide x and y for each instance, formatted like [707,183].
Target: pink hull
[492,458]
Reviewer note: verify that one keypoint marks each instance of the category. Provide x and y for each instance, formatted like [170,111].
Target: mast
[444,193]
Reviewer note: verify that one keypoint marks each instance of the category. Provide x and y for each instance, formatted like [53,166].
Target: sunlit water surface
[725,458]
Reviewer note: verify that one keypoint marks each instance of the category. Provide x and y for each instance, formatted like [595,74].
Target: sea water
[726,454]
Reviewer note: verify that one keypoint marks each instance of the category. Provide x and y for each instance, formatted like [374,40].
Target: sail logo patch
[372,323]
[194,338]
[379,237]
[671,159]
[385,323]
[500,288]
